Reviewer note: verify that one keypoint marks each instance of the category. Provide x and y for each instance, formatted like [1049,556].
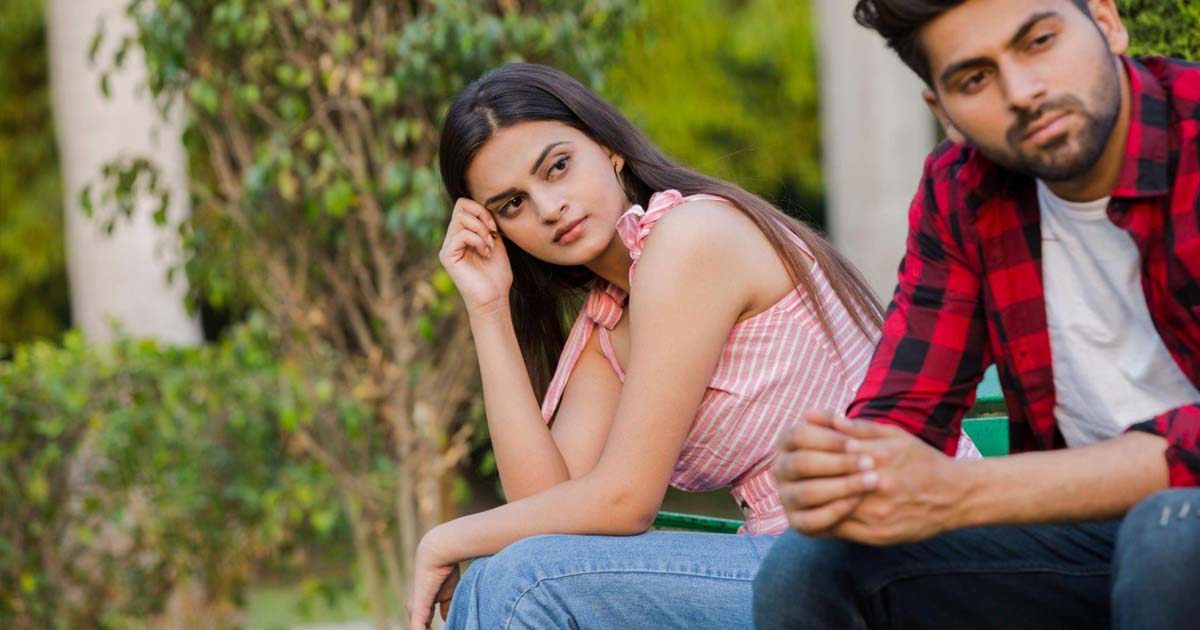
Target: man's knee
[1157,551]
[1161,536]
[803,578]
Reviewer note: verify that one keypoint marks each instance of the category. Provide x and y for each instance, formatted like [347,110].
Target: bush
[33,280]
[133,469]
[1163,27]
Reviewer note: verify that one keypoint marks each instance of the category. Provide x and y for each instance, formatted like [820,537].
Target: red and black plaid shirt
[971,293]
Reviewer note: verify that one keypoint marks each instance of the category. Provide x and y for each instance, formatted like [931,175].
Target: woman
[711,320]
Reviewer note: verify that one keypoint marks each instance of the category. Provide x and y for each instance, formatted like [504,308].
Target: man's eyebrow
[1026,26]
[538,163]
[494,198]
[958,66]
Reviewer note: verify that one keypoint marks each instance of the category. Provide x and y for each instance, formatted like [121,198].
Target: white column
[120,278]
[876,133]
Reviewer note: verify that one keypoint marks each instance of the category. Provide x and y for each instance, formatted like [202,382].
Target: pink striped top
[774,365]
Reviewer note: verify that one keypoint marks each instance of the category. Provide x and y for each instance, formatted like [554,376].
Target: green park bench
[986,424]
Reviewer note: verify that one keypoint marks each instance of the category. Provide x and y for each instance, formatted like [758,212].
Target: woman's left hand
[433,582]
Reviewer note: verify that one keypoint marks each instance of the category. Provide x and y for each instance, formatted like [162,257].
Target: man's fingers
[818,521]
[864,429]
[811,437]
[812,493]
[793,466]
[819,417]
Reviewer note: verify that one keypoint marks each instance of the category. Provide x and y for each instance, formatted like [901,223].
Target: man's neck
[1101,179]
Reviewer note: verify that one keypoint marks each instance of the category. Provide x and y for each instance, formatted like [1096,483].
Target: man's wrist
[976,496]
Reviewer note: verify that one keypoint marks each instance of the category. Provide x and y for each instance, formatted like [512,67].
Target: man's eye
[1041,42]
[973,81]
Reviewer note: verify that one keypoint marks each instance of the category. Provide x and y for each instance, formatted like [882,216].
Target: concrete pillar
[118,279]
[876,132]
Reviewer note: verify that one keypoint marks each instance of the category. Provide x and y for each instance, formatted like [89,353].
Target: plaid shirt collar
[1146,169]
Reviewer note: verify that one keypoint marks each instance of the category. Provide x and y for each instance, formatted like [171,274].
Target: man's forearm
[1097,482]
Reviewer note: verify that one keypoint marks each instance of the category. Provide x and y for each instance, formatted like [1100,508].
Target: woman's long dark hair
[543,295]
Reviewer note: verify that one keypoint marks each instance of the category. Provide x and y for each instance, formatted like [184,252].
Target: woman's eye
[511,206]
[559,166]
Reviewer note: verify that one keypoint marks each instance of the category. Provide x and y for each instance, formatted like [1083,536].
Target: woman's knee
[493,585]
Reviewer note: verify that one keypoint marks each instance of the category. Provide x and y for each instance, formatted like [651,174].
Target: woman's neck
[613,264]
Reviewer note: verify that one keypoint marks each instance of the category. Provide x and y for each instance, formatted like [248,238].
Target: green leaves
[338,198]
[751,115]
[193,439]
[1163,27]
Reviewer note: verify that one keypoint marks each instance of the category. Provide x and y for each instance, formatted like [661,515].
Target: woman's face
[552,190]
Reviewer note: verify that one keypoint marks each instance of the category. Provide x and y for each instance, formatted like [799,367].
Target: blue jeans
[1139,572]
[655,580]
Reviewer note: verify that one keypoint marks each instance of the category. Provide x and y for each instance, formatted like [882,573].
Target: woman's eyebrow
[538,163]
[495,198]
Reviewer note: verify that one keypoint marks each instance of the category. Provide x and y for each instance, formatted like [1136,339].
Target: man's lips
[562,231]
[1048,128]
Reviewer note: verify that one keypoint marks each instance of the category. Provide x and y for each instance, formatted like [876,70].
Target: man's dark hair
[900,21]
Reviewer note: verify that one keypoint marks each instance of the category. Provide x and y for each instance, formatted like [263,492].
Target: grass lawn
[279,608]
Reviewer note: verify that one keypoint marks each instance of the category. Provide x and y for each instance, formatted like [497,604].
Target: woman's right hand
[474,256]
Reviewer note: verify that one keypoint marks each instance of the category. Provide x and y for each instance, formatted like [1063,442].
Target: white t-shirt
[1111,368]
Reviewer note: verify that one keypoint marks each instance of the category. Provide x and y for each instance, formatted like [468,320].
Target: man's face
[1033,84]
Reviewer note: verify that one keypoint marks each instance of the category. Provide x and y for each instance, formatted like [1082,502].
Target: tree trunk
[876,132]
[121,278]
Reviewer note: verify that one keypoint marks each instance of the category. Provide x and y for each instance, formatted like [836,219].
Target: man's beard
[1056,161]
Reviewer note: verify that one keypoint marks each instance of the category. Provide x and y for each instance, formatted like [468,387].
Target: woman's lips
[571,231]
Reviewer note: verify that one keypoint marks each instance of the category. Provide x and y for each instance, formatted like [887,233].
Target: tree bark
[119,279]
[876,132]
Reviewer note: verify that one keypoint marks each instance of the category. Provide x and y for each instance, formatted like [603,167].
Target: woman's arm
[529,455]
[689,292]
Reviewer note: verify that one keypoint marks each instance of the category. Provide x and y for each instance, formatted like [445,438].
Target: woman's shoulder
[705,226]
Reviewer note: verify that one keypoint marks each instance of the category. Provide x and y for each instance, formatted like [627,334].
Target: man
[1057,235]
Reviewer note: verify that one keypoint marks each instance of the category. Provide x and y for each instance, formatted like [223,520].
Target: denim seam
[512,610]
[977,570]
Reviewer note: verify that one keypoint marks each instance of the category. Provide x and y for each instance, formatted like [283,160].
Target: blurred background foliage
[1163,27]
[131,471]
[730,88]
[33,278]
[750,116]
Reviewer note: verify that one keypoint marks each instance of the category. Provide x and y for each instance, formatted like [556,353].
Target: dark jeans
[1139,572]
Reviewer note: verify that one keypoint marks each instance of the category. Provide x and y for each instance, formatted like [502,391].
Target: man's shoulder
[948,159]
[1180,80]
[959,178]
